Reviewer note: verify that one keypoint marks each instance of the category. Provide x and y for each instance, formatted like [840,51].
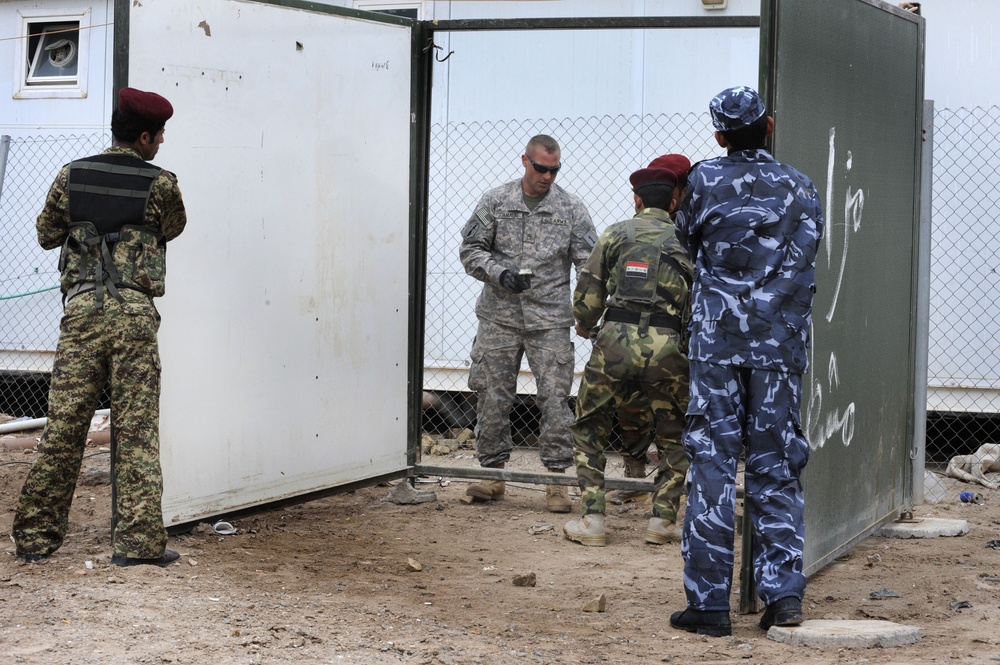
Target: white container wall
[556,75]
[285,321]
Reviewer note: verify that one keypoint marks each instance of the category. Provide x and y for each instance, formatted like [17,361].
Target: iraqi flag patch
[636,269]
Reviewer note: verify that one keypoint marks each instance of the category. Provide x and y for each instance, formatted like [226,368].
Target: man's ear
[675,202]
[721,140]
[770,125]
[145,138]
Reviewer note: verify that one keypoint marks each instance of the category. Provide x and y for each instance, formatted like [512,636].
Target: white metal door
[284,334]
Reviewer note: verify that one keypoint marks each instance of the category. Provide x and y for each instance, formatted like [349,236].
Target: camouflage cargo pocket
[477,379]
[139,321]
[698,428]
[144,260]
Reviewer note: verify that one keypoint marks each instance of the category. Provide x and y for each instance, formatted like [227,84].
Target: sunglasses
[542,168]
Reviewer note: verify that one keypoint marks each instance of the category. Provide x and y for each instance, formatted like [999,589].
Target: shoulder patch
[484,216]
[480,225]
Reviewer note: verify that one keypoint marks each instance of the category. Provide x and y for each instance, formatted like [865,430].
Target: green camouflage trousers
[116,341]
[622,365]
[635,424]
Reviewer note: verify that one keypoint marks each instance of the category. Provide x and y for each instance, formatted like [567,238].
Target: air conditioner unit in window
[55,59]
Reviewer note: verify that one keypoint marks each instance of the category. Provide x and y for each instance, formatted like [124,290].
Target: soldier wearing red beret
[635,417]
[112,215]
[139,119]
[631,298]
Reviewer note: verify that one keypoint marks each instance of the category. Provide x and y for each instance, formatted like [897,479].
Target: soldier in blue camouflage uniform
[112,214]
[637,279]
[529,225]
[752,226]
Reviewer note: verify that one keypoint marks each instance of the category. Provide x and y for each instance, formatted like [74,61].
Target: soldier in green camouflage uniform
[112,214]
[635,416]
[638,279]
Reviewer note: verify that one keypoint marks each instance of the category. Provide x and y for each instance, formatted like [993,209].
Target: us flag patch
[636,269]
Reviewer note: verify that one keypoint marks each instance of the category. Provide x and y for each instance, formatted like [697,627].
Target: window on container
[53,53]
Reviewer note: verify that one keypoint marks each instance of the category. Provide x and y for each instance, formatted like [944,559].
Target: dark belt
[86,287]
[658,320]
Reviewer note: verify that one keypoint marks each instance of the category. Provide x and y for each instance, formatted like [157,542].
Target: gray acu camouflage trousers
[496,358]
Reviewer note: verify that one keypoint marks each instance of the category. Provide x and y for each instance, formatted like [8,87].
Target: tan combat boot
[634,468]
[487,490]
[557,499]
[589,530]
[660,531]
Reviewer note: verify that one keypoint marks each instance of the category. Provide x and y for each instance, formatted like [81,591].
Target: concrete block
[845,634]
[404,493]
[925,527]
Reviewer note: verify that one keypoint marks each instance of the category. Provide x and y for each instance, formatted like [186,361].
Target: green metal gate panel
[845,80]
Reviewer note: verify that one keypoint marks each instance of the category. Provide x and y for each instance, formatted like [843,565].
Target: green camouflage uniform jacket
[598,285]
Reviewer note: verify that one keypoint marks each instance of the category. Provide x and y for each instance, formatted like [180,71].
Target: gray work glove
[513,283]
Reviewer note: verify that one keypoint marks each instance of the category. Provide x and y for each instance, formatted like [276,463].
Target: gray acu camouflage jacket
[503,235]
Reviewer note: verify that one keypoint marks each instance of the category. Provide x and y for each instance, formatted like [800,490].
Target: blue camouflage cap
[735,108]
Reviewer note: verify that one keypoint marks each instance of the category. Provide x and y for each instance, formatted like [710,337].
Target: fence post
[918,449]
[4,149]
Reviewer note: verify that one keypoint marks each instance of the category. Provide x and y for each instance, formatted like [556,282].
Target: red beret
[678,164]
[147,106]
[648,176]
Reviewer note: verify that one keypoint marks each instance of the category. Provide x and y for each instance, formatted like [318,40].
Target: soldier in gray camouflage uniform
[112,214]
[637,279]
[752,226]
[533,225]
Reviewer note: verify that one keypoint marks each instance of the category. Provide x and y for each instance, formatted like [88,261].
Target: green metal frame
[427,30]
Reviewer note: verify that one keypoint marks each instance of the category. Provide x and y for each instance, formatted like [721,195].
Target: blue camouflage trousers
[730,407]
[496,359]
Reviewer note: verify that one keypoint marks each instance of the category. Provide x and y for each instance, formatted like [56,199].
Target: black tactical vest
[108,246]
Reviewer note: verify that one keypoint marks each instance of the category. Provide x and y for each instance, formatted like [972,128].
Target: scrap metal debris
[883,593]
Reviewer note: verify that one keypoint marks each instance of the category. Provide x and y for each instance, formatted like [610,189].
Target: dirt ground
[354,578]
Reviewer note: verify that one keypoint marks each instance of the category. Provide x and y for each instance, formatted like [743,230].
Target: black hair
[751,137]
[128,128]
[656,195]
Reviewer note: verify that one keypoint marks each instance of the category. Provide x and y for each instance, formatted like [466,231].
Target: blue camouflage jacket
[751,225]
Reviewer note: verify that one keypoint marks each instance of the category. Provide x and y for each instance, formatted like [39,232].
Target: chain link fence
[963,360]
[598,153]
[30,301]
